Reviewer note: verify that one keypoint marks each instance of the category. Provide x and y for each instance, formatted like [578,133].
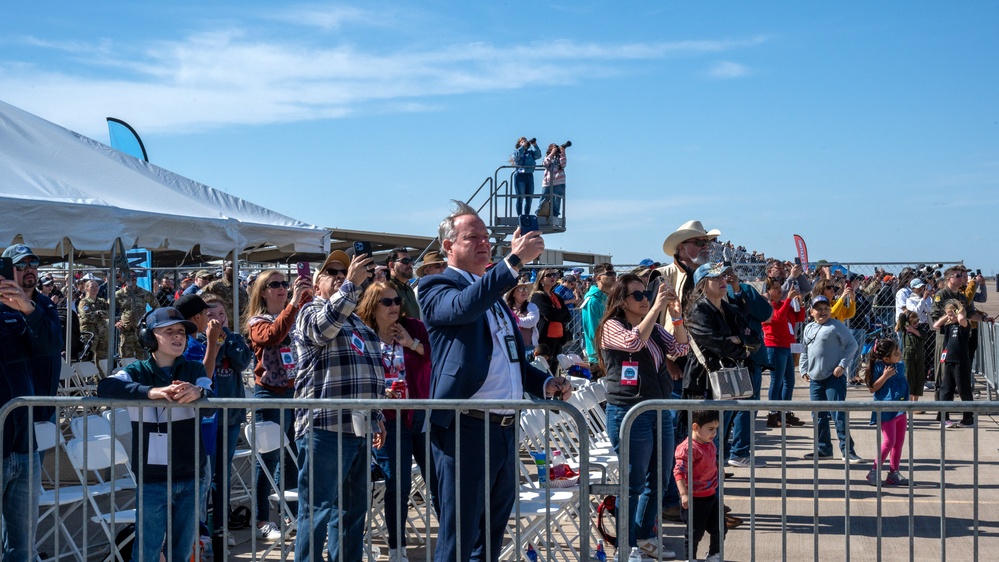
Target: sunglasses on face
[277,284]
[609,274]
[640,296]
[21,266]
[832,288]
[389,302]
[334,272]
[549,275]
[699,243]
[405,261]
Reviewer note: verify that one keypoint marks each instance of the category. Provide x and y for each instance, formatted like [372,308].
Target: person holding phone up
[633,353]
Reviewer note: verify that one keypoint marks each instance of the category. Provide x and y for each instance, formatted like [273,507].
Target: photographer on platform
[553,182]
[525,158]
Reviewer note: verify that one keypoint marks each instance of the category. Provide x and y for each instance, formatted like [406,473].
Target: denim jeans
[225,448]
[742,422]
[151,527]
[782,373]
[555,193]
[272,459]
[22,479]
[523,184]
[411,443]
[647,441]
[319,503]
[830,389]
[860,335]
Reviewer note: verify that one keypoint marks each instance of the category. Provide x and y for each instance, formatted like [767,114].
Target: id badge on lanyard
[629,373]
[511,348]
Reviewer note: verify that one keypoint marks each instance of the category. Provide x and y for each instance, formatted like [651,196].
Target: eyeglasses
[277,284]
[699,242]
[22,265]
[334,272]
[640,296]
[405,261]
[389,302]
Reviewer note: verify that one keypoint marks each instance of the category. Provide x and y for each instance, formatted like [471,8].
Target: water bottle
[600,555]
[635,556]
[558,465]
[531,555]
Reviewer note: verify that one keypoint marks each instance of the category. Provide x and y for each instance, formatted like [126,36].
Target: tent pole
[68,298]
[235,288]
[112,306]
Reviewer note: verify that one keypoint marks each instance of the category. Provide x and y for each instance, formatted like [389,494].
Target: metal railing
[987,357]
[796,508]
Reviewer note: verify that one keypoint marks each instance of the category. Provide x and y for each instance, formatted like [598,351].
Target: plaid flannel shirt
[338,357]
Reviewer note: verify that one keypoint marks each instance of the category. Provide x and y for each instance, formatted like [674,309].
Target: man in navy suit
[477,354]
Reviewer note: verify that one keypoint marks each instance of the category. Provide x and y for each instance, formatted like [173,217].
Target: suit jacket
[454,311]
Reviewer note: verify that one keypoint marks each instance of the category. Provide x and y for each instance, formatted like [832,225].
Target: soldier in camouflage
[223,288]
[131,301]
[93,312]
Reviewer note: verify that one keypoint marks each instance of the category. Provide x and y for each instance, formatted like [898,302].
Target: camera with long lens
[566,145]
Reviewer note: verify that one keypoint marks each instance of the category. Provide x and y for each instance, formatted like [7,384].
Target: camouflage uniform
[131,303]
[222,288]
[94,319]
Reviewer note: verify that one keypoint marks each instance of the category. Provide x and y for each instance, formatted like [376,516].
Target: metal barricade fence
[796,508]
[91,496]
[987,357]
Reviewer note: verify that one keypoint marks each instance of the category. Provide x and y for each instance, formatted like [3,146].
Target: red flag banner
[799,245]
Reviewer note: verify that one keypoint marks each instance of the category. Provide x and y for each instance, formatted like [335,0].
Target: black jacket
[711,329]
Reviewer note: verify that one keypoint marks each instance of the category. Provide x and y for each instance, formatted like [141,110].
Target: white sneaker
[713,558]
[650,548]
[398,555]
[231,540]
[743,462]
[268,531]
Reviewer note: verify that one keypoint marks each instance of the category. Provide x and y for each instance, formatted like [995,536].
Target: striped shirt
[618,337]
[338,357]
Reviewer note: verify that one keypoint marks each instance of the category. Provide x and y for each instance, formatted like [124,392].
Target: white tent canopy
[56,184]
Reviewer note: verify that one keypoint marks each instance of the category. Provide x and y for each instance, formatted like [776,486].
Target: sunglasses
[698,242]
[609,274]
[277,284]
[832,287]
[22,265]
[640,296]
[389,302]
[551,275]
[334,272]
[405,261]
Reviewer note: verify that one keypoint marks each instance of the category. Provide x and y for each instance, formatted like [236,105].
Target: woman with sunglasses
[406,357]
[633,353]
[269,320]
[844,307]
[527,313]
[553,326]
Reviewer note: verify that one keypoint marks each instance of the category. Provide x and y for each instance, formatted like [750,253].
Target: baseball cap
[819,300]
[168,316]
[711,270]
[203,273]
[648,262]
[916,283]
[190,305]
[18,253]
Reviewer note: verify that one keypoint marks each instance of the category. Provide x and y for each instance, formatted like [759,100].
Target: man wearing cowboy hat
[690,247]
[433,263]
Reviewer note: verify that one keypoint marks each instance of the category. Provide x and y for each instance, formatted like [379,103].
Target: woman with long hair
[269,320]
[527,313]
[553,329]
[406,357]
[633,353]
[844,306]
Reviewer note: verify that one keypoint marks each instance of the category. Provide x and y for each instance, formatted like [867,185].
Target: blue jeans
[225,448]
[558,191]
[523,184]
[319,513]
[860,335]
[272,459]
[20,504]
[742,422]
[781,374]
[646,442]
[831,389]
[411,443]
[151,527]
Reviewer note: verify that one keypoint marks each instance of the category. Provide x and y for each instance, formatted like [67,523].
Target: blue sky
[871,129]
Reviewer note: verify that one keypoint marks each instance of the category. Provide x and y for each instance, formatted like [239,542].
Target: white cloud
[231,76]
[727,69]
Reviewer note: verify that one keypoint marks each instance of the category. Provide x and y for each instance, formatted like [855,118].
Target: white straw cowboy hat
[688,230]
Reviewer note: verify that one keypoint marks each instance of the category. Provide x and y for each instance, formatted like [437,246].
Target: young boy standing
[696,474]
[165,377]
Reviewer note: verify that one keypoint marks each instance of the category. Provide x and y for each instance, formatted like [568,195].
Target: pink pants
[892,439]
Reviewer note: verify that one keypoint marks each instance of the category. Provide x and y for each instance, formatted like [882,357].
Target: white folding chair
[90,458]
[264,437]
[59,502]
